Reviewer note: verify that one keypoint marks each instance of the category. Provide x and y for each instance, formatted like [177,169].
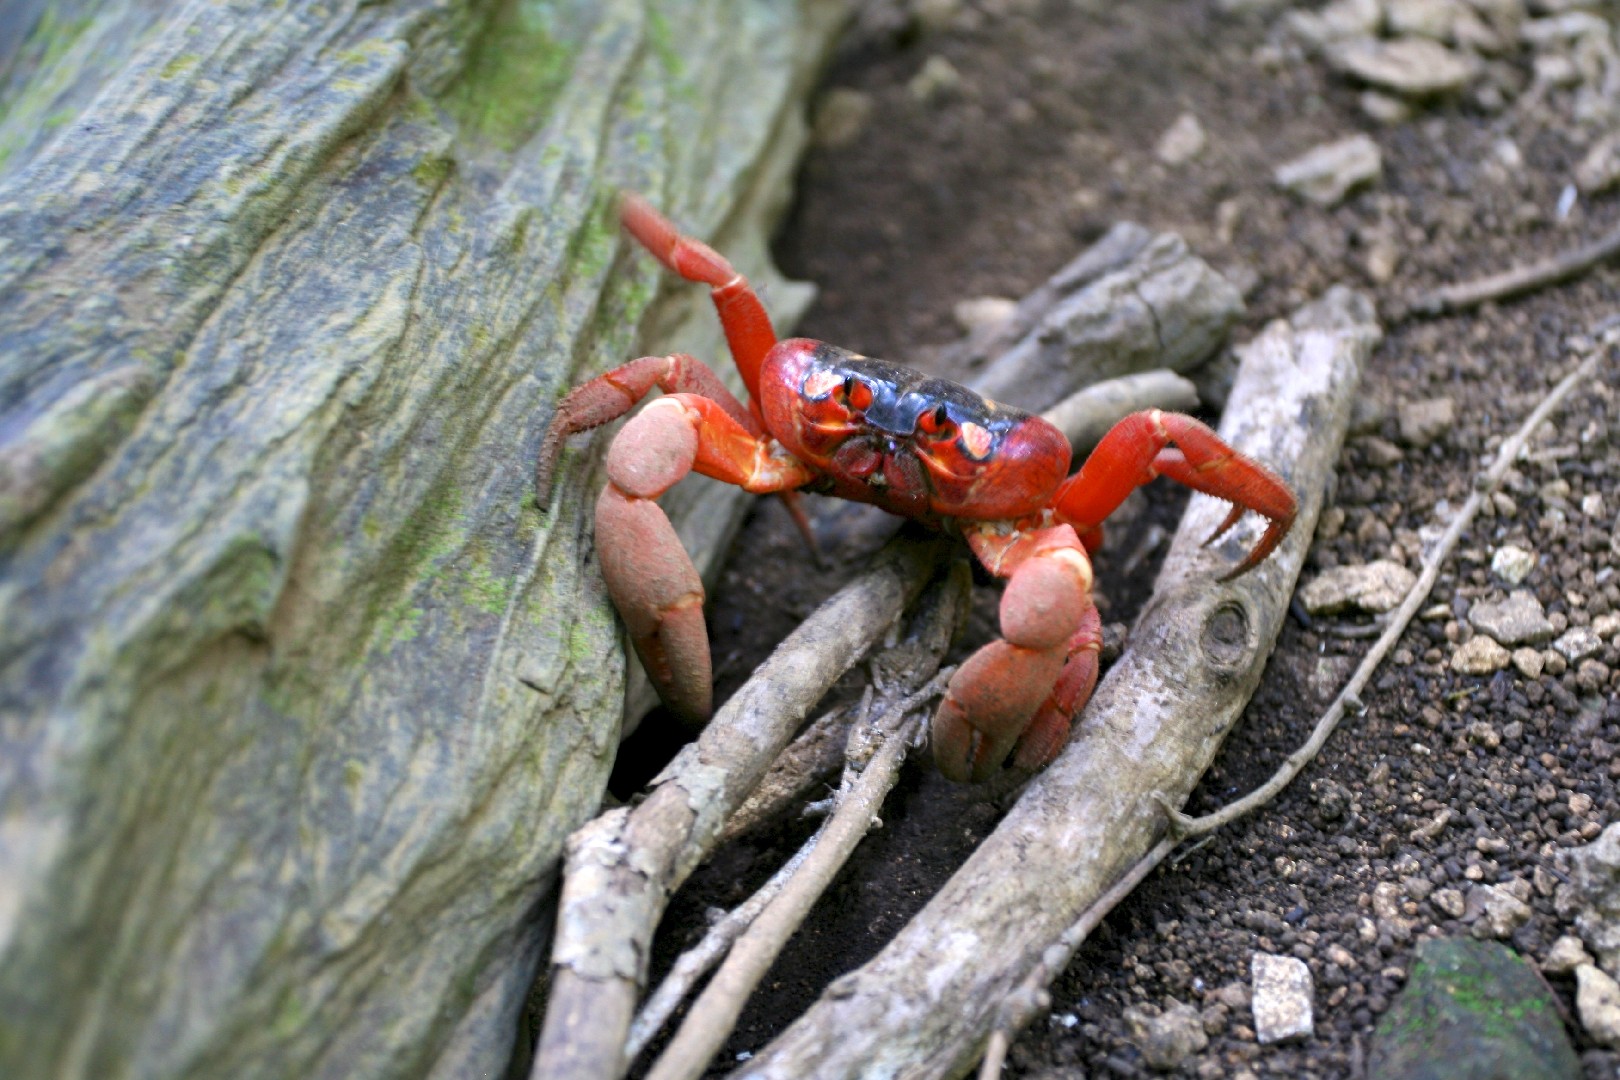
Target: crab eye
[857,393]
[819,384]
[937,421]
[976,441]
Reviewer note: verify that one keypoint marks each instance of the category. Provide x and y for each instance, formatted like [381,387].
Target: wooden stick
[1023,1004]
[1549,271]
[938,616]
[715,1013]
[622,867]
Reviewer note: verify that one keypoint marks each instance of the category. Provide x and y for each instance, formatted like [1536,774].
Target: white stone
[936,79]
[1375,587]
[1566,954]
[1528,662]
[1577,643]
[1168,1039]
[1597,1000]
[1282,998]
[1422,422]
[1182,141]
[1412,67]
[1501,912]
[1512,564]
[840,117]
[1479,655]
[1325,174]
[983,312]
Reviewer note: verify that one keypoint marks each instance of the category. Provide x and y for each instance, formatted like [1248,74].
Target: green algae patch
[1475,1010]
[516,70]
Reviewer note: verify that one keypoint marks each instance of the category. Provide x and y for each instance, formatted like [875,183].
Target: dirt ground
[981,180]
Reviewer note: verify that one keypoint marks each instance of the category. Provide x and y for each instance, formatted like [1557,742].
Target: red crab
[820,418]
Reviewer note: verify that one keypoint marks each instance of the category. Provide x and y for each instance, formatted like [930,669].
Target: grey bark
[1133,301]
[299,691]
[926,1004]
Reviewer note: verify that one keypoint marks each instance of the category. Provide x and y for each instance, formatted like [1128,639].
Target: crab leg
[747,327]
[742,316]
[1042,669]
[649,575]
[609,396]
[1136,450]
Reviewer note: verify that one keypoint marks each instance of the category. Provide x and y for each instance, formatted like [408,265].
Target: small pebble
[1327,173]
[1512,564]
[1282,998]
[1480,655]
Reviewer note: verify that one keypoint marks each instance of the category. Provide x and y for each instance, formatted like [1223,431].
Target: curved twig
[1028,1000]
[715,1012]
[1523,279]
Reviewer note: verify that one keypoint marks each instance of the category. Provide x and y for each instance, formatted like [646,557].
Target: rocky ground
[966,149]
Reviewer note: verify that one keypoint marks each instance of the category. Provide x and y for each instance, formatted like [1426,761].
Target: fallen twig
[1025,1003]
[935,620]
[927,1004]
[814,757]
[1549,271]
[1086,415]
[622,867]
[700,959]
[715,1013]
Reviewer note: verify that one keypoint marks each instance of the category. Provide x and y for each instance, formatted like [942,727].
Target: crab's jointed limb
[748,329]
[612,394]
[1002,700]
[1137,449]
[649,575]
[1018,696]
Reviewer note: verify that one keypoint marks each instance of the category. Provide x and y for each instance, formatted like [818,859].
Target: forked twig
[1030,997]
[715,1012]
[939,613]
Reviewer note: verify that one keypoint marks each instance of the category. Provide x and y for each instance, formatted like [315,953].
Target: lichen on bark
[300,691]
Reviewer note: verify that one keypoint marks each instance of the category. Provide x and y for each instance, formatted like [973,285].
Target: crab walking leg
[609,396]
[650,577]
[1135,451]
[747,326]
[1045,608]
[1048,730]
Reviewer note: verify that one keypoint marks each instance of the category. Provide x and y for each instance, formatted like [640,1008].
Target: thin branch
[1550,271]
[697,961]
[715,1012]
[1086,415]
[904,666]
[1029,999]
[622,866]
[1397,622]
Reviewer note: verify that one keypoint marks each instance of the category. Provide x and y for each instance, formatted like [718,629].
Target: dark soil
[987,188]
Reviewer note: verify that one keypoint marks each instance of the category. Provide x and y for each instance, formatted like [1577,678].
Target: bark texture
[299,691]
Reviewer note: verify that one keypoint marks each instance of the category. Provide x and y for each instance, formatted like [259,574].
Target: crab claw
[1138,448]
[1016,696]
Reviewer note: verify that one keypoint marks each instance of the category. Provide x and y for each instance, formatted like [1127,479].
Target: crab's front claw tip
[988,706]
[1232,517]
[1276,529]
[545,471]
